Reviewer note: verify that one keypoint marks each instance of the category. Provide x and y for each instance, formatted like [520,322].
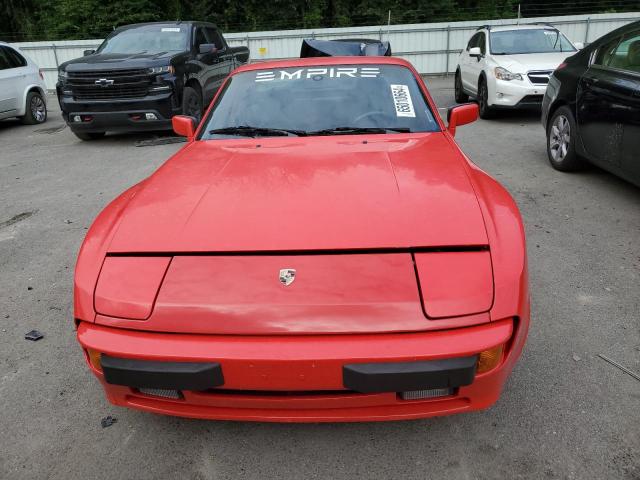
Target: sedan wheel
[560,138]
[561,141]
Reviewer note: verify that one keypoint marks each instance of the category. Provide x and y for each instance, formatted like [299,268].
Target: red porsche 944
[319,250]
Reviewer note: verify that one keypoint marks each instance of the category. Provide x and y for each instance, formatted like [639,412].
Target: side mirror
[475,52]
[579,45]
[184,126]
[207,48]
[460,115]
[242,54]
[89,52]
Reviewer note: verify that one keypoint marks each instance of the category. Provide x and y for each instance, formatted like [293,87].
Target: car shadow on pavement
[10,123]
[138,139]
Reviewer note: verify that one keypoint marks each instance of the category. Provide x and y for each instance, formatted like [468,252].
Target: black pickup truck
[142,75]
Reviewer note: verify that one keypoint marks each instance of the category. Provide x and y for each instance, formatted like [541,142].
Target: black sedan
[591,109]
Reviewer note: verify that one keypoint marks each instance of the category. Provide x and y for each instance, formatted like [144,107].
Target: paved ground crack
[17,218]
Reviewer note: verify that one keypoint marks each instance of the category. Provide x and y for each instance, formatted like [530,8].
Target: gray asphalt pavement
[565,413]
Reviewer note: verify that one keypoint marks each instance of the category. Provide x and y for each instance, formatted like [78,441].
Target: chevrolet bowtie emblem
[287,276]
[104,82]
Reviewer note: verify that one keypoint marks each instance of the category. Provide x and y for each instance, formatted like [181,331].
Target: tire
[561,141]
[460,96]
[486,111]
[88,136]
[192,103]
[35,109]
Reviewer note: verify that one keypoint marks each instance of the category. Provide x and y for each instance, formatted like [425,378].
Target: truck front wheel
[192,103]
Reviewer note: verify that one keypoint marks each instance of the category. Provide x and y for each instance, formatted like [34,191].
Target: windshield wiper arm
[247,131]
[359,130]
[556,42]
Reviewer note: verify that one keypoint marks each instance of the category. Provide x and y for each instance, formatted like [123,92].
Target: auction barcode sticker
[402,101]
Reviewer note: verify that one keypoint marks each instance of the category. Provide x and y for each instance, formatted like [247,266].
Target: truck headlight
[62,75]
[504,74]
[158,70]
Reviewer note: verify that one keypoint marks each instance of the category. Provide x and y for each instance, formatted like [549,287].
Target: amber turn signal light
[489,359]
[94,359]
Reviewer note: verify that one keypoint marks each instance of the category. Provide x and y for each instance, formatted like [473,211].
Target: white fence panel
[432,47]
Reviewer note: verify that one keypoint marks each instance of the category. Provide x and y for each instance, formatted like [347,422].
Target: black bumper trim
[169,375]
[117,121]
[407,376]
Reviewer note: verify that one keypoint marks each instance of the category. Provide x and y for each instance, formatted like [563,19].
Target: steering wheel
[368,114]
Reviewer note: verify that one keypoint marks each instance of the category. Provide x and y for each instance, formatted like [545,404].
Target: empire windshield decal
[318,73]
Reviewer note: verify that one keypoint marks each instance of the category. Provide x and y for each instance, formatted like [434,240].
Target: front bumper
[515,94]
[304,378]
[115,115]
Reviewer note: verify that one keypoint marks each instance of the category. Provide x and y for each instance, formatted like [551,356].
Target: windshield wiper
[358,130]
[556,42]
[247,131]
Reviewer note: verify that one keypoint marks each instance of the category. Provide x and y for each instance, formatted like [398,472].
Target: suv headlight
[504,74]
[158,70]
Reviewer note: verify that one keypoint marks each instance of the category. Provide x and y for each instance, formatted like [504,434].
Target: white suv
[509,66]
[22,87]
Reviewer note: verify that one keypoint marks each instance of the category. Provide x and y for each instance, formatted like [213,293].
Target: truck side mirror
[460,115]
[242,54]
[184,126]
[89,52]
[207,48]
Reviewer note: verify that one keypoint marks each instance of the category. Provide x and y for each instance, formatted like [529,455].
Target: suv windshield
[320,100]
[147,39]
[530,40]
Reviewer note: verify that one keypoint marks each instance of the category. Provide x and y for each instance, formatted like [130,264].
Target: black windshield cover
[346,47]
[320,100]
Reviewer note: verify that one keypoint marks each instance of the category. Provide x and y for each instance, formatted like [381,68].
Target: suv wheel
[483,100]
[461,97]
[87,136]
[36,109]
[561,141]
[192,103]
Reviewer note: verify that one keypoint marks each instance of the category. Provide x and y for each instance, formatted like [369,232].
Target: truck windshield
[147,39]
[320,100]
[531,40]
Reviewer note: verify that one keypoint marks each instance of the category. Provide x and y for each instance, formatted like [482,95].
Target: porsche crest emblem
[287,276]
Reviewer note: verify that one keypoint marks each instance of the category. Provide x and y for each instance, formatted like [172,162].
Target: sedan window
[627,55]
[606,53]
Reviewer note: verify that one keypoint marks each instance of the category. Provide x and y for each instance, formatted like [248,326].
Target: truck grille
[108,84]
[540,77]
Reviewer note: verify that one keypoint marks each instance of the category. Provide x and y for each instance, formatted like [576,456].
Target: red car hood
[316,193]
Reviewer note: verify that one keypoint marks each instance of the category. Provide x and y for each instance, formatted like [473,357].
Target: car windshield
[147,39]
[320,100]
[531,40]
